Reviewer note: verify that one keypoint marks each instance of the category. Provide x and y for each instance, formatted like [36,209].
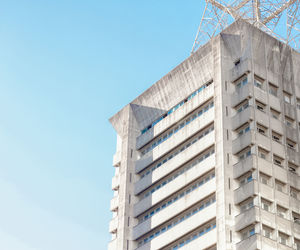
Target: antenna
[279,18]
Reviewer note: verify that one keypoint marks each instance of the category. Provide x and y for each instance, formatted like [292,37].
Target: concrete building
[208,157]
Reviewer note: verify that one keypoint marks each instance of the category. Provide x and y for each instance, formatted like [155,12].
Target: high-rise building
[208,157]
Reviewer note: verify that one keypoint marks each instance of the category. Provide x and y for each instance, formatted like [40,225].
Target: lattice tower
[279,18]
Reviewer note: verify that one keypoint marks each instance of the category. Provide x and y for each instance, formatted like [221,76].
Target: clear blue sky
[65,68]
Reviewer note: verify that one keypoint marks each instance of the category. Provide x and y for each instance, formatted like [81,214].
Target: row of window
[290,122]
[176,107]
[202,133]
[201,158]
[279,185]
[173,131]
[180,195]
[200,232]
[273,90]
[183,217]
[264,154]
[283,238]
[270,233]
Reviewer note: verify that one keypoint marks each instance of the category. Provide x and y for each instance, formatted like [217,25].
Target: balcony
[176,116]
[114,203]
[115,183]
[172,187]
[246,218]
[250,243]
[182,228]
[293,155]
[280,173]
[289,110]
[117,159]
[282,198]
[264,166]
[284,225]
[241,94]
[113,225]
[176,139]
[203,242]
[293,180]
[243,141]
[176,162]
[242,117]
[244,166]
[248,190]
[268,218]
[174,209]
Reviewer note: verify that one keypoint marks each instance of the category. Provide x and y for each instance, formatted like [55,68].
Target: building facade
[208,157]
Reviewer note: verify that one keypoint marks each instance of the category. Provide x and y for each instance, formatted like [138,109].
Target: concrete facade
[208,157]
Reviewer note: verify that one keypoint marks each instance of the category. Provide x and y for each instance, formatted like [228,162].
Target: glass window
[278,160]
[275,114]
[280,186]
[261,129]
[265,179]
[283,238]
[260,106]
[273,89]
[267,231]
[258,82]
[287,97]
[266,205]
[276,137]
[262,153]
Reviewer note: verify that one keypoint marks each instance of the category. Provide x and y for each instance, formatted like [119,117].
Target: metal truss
[279,18]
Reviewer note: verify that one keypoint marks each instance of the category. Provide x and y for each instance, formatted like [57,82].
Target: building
[208,157]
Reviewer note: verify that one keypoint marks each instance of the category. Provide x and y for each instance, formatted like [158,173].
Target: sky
[66,67]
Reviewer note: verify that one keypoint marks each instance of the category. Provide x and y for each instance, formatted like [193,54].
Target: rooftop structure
[279,18]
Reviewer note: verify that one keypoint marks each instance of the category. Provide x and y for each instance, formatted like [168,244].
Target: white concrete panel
[182,228]
[176,116]
[176,162]
[175,209]
[173,186]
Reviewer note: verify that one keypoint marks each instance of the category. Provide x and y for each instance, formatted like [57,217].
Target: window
[262,153]
[267,231]
[294,192]
[261,129]
[241,82]
[275,114]
[297,244]
[291,144]
[277,160]
[244,153]
[242,106]
[287,97]
[266,205]
[246,205]
[289,122]
[265,179]
[273,89]
[258,82]
[283,238]
[276,137]
[281,211]
[280,186]
[293,168]
[247,232]
[243,129]
[298,103]
[296,218]
[245,179]
[260,106]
